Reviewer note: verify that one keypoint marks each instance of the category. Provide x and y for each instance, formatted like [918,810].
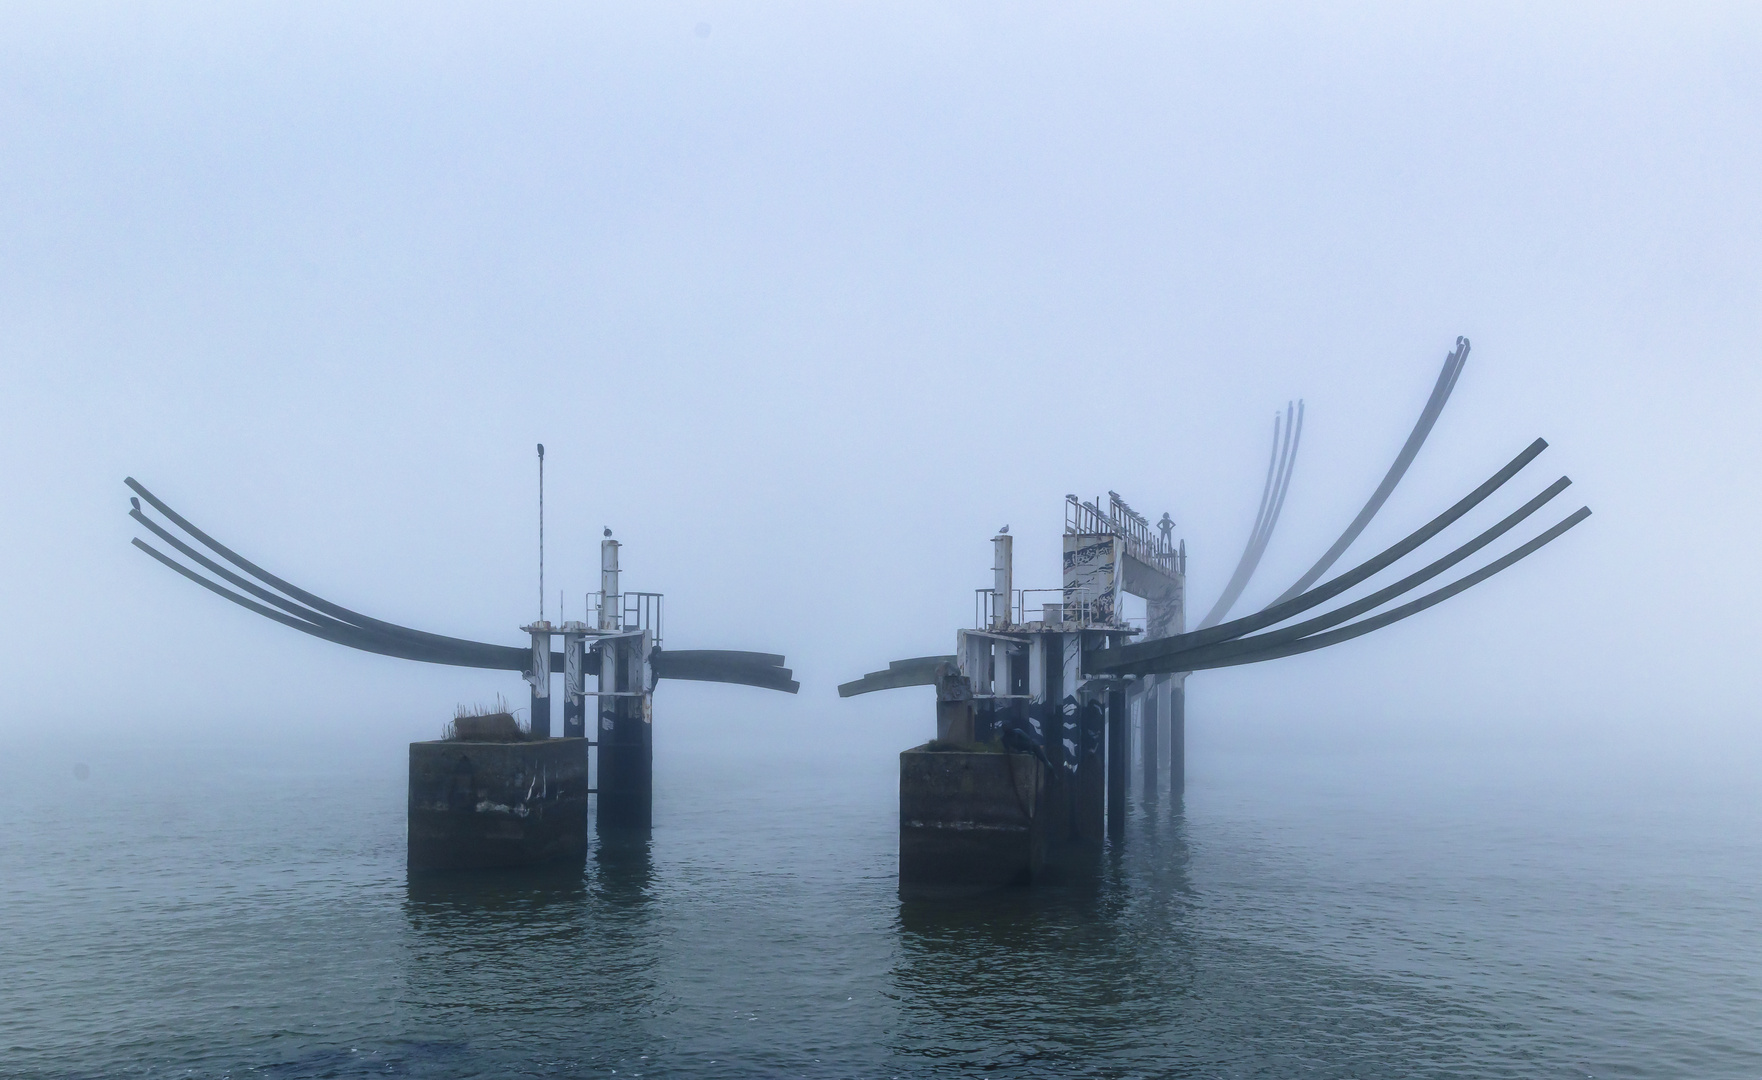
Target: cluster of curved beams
[1447,376]
[1272,502]
[1231,643]
[310,614]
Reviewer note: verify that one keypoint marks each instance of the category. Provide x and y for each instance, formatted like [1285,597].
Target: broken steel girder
[764,670]
[1428,416]
[1271,645]
[918,671]
[310,614]
[1272,502]
[1278,613]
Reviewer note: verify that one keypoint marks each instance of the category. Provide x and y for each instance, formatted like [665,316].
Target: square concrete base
[966,822]
[475,805]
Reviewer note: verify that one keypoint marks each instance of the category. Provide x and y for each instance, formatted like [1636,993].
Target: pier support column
[1177,735]
[1152,723]
[626,737]
[1119,759]
[540,678]
[1092,768]
[574,681]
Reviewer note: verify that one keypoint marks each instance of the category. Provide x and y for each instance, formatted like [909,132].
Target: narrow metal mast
[541,532]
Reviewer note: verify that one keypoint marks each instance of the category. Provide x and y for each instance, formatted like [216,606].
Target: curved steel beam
[316,602]
[918,671]
[1278,613]
[1210,655]
[477,656]
[1395,615]
[387,639]
[763,670]
[1428,416]
[354,638]
[1272,502]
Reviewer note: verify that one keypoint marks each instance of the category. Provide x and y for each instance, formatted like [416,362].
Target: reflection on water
[1267,926]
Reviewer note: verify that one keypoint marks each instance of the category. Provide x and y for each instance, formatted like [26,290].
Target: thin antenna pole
[541,532]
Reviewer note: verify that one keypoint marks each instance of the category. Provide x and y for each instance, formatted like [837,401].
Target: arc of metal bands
[764,670]
[483,655]
[1278,613]
[1409,450]
[316,602]
[1395,615]
[353,637]
[1272,502]
[1211,655]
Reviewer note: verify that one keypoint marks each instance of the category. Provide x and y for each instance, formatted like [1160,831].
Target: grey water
[230,909]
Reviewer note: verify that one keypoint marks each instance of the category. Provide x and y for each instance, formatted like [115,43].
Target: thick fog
[805,301]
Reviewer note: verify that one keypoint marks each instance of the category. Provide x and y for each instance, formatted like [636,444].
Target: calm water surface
[208,911]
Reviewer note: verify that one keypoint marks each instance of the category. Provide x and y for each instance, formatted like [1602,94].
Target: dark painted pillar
[1091,825]
[1178,736]
[574,686]
[541,714]
[1151,722]
[627,749]
[1054,816]
[1119,761]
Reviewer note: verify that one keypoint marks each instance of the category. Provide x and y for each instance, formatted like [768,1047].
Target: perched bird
[1003,530]
[608,532]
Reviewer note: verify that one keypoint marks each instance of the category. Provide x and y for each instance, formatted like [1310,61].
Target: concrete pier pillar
[540,678]
[1091,824]
[1151,722]
[1119,761]
[574,680]
[626,737]
[1177,735]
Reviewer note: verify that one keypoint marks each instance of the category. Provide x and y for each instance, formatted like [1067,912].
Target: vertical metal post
[1119,759]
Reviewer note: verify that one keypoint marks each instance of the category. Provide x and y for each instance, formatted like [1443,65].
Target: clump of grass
[484,723]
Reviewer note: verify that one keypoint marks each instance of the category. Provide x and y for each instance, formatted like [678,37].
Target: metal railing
[1070,608]
[1139,538]
[636,611]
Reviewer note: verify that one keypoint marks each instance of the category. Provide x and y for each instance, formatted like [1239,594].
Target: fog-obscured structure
[770,284]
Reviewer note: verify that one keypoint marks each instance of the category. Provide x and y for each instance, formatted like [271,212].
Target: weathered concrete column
[956,711]
[540,678]
[1002,579]
[611,609]
[574,680]
[1119,760]
[1152,722]
[1177,735]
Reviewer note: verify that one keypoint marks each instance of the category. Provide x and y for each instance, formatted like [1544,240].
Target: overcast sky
[806,300]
